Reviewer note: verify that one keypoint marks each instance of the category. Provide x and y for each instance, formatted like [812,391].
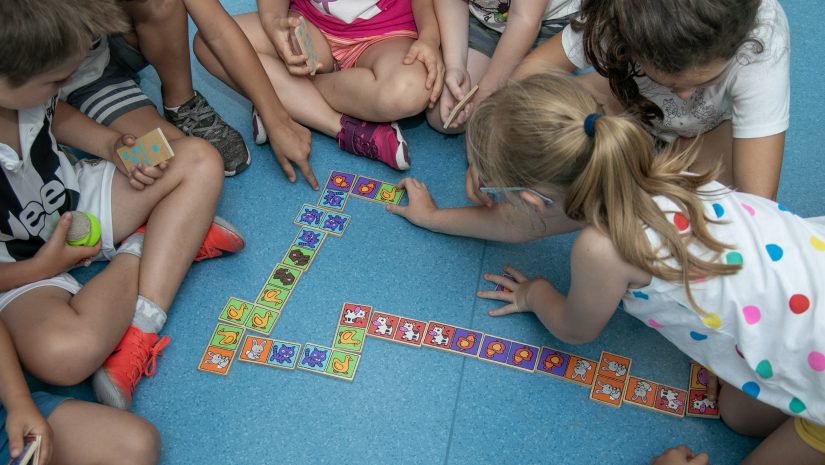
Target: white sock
[149,317]
[132,245]
[175,109]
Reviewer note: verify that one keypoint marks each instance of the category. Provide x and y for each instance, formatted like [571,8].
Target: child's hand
[23,419]
[680,455]
[56,256]
[140,175]
[520,287]
[428,54]
[457,82]
[281,37]
[420,207]
[291,143]
[472,184]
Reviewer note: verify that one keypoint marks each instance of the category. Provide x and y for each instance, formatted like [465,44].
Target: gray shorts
[485,40]
[116,92]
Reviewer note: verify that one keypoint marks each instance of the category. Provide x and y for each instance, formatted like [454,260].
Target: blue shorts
[44,401]
[485,40]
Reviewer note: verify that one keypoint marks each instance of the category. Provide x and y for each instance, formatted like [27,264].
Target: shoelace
[150,354]
[192,118]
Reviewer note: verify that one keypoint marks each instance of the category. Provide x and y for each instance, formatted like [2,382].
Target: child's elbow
[576,337]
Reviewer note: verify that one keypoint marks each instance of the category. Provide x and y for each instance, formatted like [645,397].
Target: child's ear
[533,201]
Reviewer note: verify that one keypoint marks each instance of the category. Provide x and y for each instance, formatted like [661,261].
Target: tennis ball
[84,230]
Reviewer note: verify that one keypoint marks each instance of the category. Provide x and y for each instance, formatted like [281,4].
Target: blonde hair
[531,133]
[37,36]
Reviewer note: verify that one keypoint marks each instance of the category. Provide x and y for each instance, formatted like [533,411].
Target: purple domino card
[499,287]
[366,187]
[340,181]
[310,216]
[466,341]
[333,199]
[523,356]
[495,349]
[553,362]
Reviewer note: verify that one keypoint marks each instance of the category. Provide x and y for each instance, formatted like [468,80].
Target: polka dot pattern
[796,406]
[799,303]
[764,369]
[818,244]
[712,321]
[733,258]
[719,210]
[752,389]
[654,324]
[816,360]
[640,295]
[752,314]
[696,336]
[775,252]
[681,221]
[749,209]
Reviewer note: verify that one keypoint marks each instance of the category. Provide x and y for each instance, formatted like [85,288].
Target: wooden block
[150,149]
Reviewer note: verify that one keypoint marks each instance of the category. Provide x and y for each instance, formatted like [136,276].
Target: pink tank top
[354,19]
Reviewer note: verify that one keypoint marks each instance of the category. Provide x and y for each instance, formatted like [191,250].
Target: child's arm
[290,141]
[757,163]
[453,22]
[54,257]
[549,55]
[276,23]
[523,24]
[77,130]
[599,279]
[23,416]
[426,48]
[502,222]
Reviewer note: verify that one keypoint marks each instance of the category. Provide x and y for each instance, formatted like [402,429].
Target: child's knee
[199,159]
[141,442]
[435,122]
[404,95]
[67,360]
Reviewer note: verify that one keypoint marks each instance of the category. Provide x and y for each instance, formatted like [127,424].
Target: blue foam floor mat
[411,405]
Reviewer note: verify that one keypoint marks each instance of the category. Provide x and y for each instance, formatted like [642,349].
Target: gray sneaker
[197,118]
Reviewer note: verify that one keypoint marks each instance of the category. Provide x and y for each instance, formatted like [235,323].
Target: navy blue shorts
[44,401]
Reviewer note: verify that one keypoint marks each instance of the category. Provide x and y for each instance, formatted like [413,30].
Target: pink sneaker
[377,141]
[135,355]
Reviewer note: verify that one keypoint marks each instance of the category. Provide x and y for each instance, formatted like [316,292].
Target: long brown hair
[531,133]
[672,36]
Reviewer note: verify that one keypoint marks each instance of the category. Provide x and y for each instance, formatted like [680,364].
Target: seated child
[734,280]
[487,55]
[65,332]
[379,62]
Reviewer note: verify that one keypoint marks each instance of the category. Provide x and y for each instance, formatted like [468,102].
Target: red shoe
[383,142]
[135,356]
[221,238]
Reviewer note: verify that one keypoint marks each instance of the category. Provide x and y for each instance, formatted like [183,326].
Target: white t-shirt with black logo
[36,186]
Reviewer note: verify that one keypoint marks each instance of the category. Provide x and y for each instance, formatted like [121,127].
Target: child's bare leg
[62,339]
[299,96]
[381,88]
[746,415]
[139,122]
[786,447]
[477,64]
[161,28]
[87,433]
[177,209]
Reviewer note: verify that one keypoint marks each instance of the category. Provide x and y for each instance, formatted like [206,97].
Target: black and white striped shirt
[36,186]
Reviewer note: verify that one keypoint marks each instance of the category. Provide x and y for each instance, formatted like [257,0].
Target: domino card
[466,341]
[523,356]
[438,335]
[311,216]
[366,188]
[150,149]
[255,350]
[495,349]
[607,390]
[262,320]
[458,106]
[30,453]
[333,199]
[309,239]
[342,365]
[340,181]
[216,360]
[569,367]
[698,376]
[383,325]
[335,223]
[349,338]
[236,311]
[614,366]
[410,331]
[304,41]
[272,297]
[283,354]
[355,315]
[389,193]
[580,370]
[226,336]
[641,392]
[284,276]
[299,257]
[314,358]
[670,400]
[699,405]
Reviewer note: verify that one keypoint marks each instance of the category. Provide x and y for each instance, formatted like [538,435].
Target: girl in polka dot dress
[734,280]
